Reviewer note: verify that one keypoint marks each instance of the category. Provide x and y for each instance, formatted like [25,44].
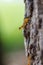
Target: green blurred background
[11,18]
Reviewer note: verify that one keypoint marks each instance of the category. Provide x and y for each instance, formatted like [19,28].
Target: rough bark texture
[34,42]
